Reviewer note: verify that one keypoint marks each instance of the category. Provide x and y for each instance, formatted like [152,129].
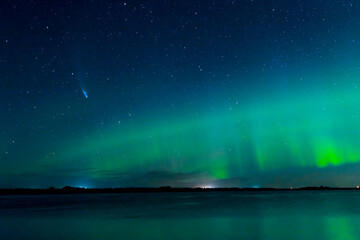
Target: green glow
[317,130]
[340,228]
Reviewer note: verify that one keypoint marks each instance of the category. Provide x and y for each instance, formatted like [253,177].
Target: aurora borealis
[185,93]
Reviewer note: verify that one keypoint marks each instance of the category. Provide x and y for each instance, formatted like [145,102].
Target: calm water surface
[216,215]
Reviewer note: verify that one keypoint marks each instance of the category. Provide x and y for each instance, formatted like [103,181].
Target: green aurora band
[309,129]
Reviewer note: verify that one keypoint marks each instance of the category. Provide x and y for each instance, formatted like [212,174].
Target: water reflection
[230,215]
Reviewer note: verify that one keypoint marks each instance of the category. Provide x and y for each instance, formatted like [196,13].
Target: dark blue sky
[183,93]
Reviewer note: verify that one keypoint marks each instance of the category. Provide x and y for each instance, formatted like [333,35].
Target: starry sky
[187,93]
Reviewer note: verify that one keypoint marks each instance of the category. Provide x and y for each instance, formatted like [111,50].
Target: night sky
[250,93]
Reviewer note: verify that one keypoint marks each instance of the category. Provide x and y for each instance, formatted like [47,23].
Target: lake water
[316,215]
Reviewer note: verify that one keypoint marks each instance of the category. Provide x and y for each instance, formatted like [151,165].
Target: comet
[85,93]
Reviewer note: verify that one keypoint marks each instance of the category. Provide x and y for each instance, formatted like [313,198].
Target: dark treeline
[75,190]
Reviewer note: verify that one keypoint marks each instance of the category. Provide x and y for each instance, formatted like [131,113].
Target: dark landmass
[75,190]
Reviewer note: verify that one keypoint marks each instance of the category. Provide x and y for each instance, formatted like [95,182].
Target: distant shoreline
[75,190]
